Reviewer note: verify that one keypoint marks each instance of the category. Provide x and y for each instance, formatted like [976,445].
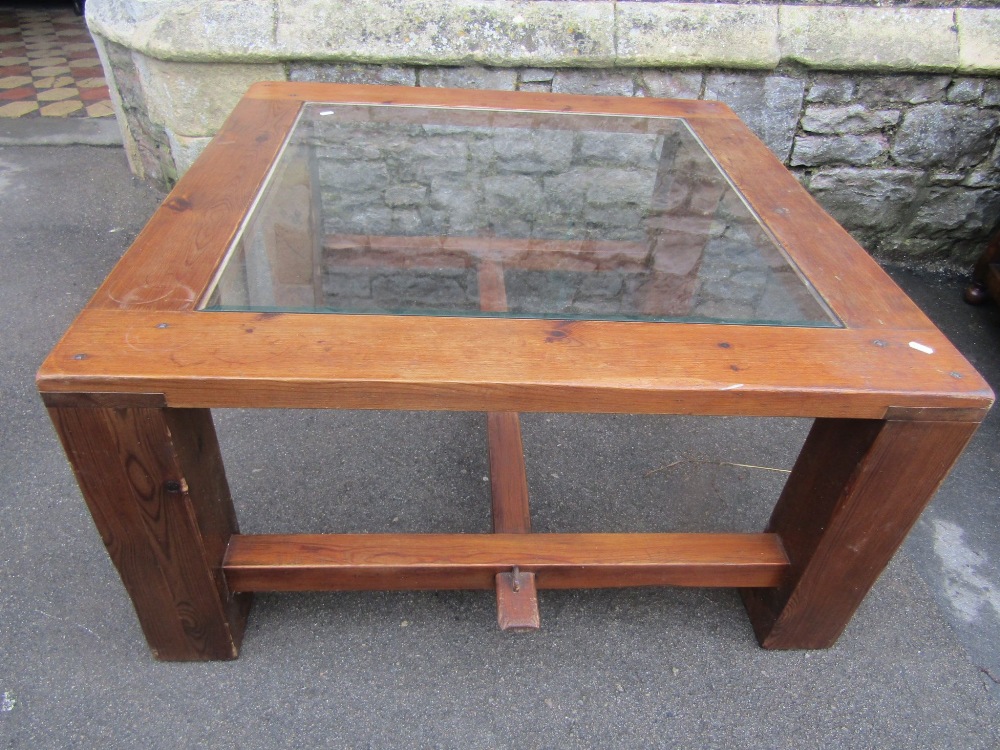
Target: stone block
[978,39]
[353,180]
[526,151]
[881,90]
[457,198]
[447,32]
[988,173]
[831,89]
[769,105]
[672,84]
[619,149]
[188,30]
[955,212]
[194,99]
[185,150]
[866,198]
[945,134]
[868,38]
[513,196]
[405,195]
[599,82]
[854,118]
[991,93]
[945,177]
[702,34]
[472,77]
[536,75]
[391,75]
[424,158]
[856,150]
[965,90]
[616,188]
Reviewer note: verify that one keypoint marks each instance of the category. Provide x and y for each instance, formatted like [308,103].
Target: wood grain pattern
[517,596]
[279,91]
[517,601]
[371,361]
[508,479]
[853,495]
[350,562]
[173,259]
[153,481]
[105,400]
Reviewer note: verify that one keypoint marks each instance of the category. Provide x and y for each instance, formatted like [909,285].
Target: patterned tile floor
[49,66]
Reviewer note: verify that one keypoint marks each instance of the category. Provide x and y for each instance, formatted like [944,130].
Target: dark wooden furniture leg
[856,490]
[154,482]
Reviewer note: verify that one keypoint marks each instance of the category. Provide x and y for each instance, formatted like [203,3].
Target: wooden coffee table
[359,247]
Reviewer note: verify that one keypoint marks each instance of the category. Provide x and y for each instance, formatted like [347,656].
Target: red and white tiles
[49,66]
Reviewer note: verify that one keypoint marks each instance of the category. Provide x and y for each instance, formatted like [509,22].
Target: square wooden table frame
[130,386]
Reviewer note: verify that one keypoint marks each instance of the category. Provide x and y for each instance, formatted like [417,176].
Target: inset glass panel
[468,212]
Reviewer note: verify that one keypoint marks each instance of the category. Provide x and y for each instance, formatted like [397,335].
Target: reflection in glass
[413,210]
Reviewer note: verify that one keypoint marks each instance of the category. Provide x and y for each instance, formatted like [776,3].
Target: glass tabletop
[408,210]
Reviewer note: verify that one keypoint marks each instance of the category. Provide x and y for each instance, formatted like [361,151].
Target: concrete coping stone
[556,33]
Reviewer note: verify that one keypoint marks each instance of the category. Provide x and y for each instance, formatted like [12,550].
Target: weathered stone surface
[979,40]
[812,151]
[512,195]
[902,89]
[188,30]
[602,82]
[146,143]
[944,177]
[472,77]
[185,150]
[868,38]
[352,180]
[532,152]
[536,75]
[866,198]
[853,118]
[988,175]
[405,195]
[991,93]
[965,90]
[442,32]
[899,248]
[769,105]
[934,134]
[194,99]
[619,149]
[831,89]
[458,200]
[392,75]
[672,84]
[955,212]
[688,34]
[537,87]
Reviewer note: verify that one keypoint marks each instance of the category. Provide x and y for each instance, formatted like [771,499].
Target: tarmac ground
[636,668]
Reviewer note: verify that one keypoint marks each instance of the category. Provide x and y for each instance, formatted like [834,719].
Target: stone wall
[888,115]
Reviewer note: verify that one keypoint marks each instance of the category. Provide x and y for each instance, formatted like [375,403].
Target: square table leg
[855,491]
[154,482]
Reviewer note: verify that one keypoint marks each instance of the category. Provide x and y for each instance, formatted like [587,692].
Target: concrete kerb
[60,131]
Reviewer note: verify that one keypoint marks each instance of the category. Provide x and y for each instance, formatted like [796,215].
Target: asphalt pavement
[665,668]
